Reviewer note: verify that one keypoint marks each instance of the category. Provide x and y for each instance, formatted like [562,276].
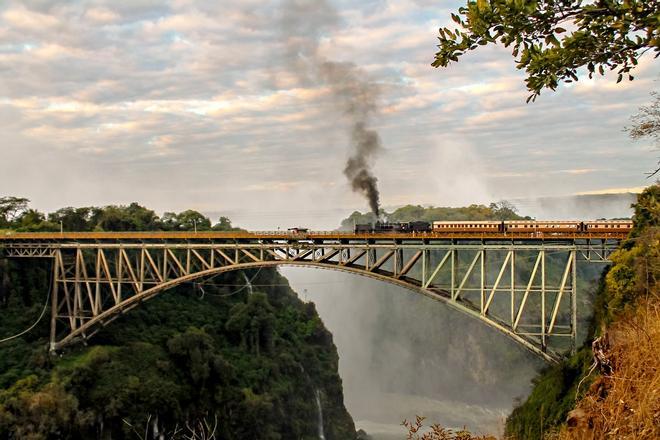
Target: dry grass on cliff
[624,404]
[417,431]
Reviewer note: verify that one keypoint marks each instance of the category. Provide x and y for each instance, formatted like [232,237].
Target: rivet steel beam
[97,280]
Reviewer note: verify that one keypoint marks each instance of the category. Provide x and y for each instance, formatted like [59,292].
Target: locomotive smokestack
[303,23]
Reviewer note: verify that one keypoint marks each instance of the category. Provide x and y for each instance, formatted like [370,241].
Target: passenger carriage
[608,226]
[467,226]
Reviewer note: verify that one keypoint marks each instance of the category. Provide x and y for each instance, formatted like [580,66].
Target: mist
[582,207]
[403,354]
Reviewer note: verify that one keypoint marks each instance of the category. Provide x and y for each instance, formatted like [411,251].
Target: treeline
[495,211]
[16,214]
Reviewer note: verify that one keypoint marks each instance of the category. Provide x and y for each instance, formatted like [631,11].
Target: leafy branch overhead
[552,39]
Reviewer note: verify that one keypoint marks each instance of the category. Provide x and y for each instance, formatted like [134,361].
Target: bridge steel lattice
[524,287]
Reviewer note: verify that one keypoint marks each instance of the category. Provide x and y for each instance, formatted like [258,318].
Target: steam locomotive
[494,226]
[398,227]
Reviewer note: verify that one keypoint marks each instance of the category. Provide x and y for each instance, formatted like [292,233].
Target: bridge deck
[250,236]
[99,275]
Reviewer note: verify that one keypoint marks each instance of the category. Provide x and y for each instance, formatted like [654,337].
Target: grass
[624,403]
[417,431]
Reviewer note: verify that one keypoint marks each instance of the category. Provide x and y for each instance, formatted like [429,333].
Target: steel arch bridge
[523,285]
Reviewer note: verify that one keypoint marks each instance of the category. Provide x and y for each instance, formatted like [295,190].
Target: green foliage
[10,209]
[253,322]
[647,211]
[552,40]
[22,300]
[634,272]
[202,351]
[30,411]
[551,399]
[16,215]
[495,211]
[188,220]
[126,218]
[250,361]
[224,224]
[73,219]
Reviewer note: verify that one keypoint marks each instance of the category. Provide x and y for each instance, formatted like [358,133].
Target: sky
[187,104]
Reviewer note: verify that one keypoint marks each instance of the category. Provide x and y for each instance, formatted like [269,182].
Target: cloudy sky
[193,104]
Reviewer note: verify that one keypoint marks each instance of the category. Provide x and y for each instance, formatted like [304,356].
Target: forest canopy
[16,214]
[502,210]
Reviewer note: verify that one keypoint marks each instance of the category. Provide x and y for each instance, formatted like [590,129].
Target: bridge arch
[503,281]
[91,326]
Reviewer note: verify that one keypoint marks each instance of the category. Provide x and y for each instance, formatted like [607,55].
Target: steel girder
[526,291]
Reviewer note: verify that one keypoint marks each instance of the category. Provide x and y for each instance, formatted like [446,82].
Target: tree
[646,124]
[505,210]
[224,224]
[11,208]
[554,38]
[195,351]
[357,218]
[254,322]
[72,219]
[124,218]
[30,219]
[188,220]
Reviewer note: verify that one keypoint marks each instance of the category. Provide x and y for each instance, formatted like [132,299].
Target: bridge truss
[527,289]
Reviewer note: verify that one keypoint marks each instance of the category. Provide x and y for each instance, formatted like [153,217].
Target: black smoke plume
[358,169]
[303,23]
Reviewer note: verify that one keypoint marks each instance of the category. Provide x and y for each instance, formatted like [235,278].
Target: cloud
[101,15]
[198,91]
[24,19]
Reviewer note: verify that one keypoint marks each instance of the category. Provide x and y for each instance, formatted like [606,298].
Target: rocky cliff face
[625,304]
[210,356]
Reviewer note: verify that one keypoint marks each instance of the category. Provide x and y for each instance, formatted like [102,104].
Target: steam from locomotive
[303,23]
